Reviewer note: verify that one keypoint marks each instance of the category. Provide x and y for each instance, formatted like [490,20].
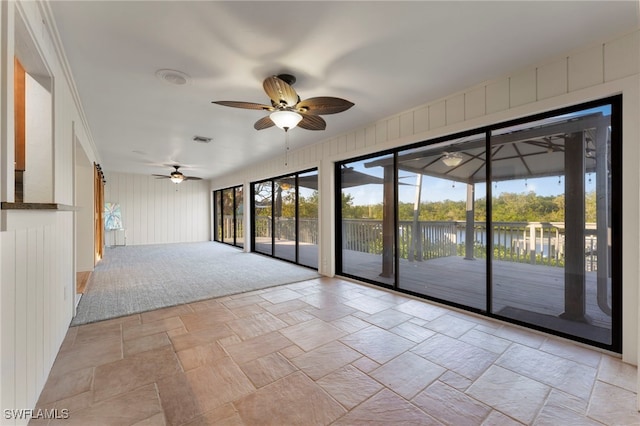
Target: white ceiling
[386,57]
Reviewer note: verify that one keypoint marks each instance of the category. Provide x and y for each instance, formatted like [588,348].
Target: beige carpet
[135,279]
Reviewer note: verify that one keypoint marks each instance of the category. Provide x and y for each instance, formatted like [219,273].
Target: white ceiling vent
[202,139]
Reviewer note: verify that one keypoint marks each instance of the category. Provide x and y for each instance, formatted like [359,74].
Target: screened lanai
[526,235]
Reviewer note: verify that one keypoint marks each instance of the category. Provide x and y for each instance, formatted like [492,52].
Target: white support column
[326,216]
[246,216]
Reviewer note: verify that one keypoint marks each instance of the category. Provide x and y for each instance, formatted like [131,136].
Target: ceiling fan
[287,110]
[176,176]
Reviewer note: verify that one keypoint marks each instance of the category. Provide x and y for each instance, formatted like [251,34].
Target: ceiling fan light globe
[177,177]
[285,119]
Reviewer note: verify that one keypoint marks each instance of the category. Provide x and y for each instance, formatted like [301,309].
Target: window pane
[308,219]
[367,193]
[262,219]
[551,206]
[442,221]
[239,209]
[285,218]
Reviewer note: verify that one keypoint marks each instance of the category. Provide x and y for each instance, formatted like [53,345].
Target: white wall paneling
[437,115]
[497,96]
[622,57]
[420,120]
[35,303]
[406,124]
[522,88]
[156,211]
[475,103]
[381,132]
[393,128]
[552,79]
[586,68]
[455,109]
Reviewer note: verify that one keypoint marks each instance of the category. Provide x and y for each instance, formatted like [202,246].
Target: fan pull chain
[286,148]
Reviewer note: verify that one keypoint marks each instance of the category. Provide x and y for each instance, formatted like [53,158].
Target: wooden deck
[529,293]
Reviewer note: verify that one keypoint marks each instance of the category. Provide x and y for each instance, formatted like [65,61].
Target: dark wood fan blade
[162,176]
[244,105]
[192,178]
[312,122]
[280,92]
[323,105]
[264,123]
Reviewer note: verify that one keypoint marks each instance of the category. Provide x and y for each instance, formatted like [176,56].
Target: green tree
[507,207]
[590,206]
[308,206]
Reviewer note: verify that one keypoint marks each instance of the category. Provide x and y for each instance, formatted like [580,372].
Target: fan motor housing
[287,78]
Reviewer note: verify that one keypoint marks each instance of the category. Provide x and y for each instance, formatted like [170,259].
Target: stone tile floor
[329,351]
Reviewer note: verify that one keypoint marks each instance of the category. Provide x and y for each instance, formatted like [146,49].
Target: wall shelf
[36,206]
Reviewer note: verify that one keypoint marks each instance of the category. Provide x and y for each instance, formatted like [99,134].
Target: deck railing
[540,243]
[228,230]
[284,228]
[525,242]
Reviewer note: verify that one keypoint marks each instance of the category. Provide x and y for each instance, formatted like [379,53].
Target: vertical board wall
[35,282]
[156,211]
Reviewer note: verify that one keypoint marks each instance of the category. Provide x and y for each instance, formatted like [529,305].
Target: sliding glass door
[519,221]
[552,217]
[367,223]
[228,216]
[285,217]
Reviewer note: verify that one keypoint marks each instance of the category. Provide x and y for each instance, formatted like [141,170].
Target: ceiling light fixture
[452,159]
[174,77]
[285,119]
[177,177]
